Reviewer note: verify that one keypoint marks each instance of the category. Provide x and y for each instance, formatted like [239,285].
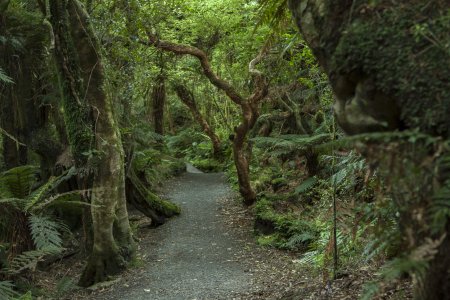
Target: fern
[377,137]
[69,199]
[39,194]
[28,260]
[440,207]
[346,167]
[306,185]
[45,233]
[299,240]
[18,182]
[7,290]
[5,78]
[274,13]
[47,238]
[14,202]
[286,144]
[65,285]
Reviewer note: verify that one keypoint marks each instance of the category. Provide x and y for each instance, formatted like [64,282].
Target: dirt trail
[193,256]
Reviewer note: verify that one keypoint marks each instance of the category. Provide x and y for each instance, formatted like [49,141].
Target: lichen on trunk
[82,75]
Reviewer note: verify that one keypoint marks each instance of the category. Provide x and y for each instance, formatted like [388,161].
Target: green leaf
[7,290]
[306,185]
[45,233]
[5,78]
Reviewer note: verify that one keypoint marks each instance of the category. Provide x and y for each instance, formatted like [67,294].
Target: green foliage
[5,78]
[306,185]
[274,13]
[45,233]
[439,212]
[7,290]
[18,182]
[291,231]
[286,144]
[28,260]
[20,191]
[64,286]
[420,33]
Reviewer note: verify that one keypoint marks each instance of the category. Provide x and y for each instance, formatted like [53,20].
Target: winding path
[193,256]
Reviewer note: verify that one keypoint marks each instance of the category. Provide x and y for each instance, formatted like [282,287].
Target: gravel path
[193,256]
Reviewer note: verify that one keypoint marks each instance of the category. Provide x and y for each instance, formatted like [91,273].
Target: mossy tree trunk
[91,126]
[187,97]
[388,75]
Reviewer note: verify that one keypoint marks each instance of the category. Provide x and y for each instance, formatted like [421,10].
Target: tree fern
[70,199]
[19,191]
[47,239]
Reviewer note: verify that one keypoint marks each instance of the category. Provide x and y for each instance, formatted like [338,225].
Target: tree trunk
[241,154]
[187,97]
[78,55]
[19,237]
[159,99]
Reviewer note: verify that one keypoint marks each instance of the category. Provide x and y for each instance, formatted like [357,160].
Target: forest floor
[202,254]
[208,252]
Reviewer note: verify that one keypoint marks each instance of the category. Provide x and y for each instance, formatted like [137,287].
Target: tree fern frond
[39,194]
[69,199]
[65,285]
[5,78]
[377,137]
[39,197]
[306,185]
[28,260]
[45,233]
[273,12]
[14,202]
[7,290]
[18,182]
[291,142]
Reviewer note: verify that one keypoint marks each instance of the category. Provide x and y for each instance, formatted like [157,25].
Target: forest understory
[272,273]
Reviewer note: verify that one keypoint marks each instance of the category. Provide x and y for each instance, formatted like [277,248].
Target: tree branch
[260,80]
[202,57]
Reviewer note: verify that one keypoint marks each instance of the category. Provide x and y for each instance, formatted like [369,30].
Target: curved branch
[260,80]
[201,56]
